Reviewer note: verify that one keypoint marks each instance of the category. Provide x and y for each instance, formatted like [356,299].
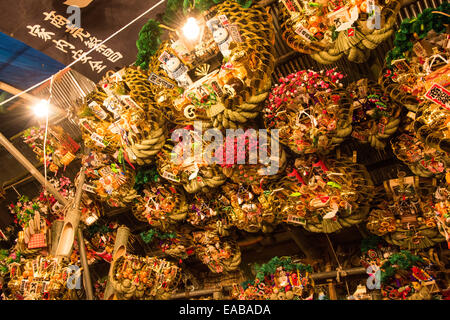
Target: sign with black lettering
[155,79]
[304,33]
[64,34]
[295,219]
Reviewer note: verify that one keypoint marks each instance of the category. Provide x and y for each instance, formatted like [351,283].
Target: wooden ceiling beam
[12,90]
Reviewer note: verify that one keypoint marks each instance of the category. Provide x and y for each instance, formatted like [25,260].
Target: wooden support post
[120,248]
[331,287]
[56,229]
[10,89]
[29,166]
[71,221]
[84,262]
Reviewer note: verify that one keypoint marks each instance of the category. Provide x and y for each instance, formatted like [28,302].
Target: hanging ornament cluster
[373,252]
[195,189]
[278,279]
[119,118]
[60,148]
[247,208]
[187,163]
[35,216]
[329,30]
[251,158]
[422,160]
[220,255]
[404,276]
[32,216]
[431,125]
[407,218]
[161,204]
[107,180]
[99,241]
[375,116]
[416,76]
[431,20]
[326,195]
[143,278]
[7,258]
[223,74]
[41,278]
[311,111]
[173,244]
[419,60]
[401,275]
[205,212]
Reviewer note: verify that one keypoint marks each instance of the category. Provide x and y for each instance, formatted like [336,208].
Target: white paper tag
[169,176]
[332,213]
[97,110]
[341,18]
[88,188]
[194,174]
[98,139]
[419,50]
[110,104]
[234,32]
[295,219]
[164,57]
[155,79]
[411,115]
[91,219]
[105,171]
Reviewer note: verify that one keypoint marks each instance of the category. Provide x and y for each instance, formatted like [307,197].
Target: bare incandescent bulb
[191,29]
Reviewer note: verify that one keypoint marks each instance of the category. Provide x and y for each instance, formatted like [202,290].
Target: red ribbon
[125,156]
[321,165]
[295,174]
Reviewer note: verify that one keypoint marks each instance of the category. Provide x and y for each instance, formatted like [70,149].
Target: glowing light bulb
[191,29]
[41,109]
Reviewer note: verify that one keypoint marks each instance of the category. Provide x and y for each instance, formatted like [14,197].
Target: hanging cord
[46,132]
[340,270]
[84,55]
